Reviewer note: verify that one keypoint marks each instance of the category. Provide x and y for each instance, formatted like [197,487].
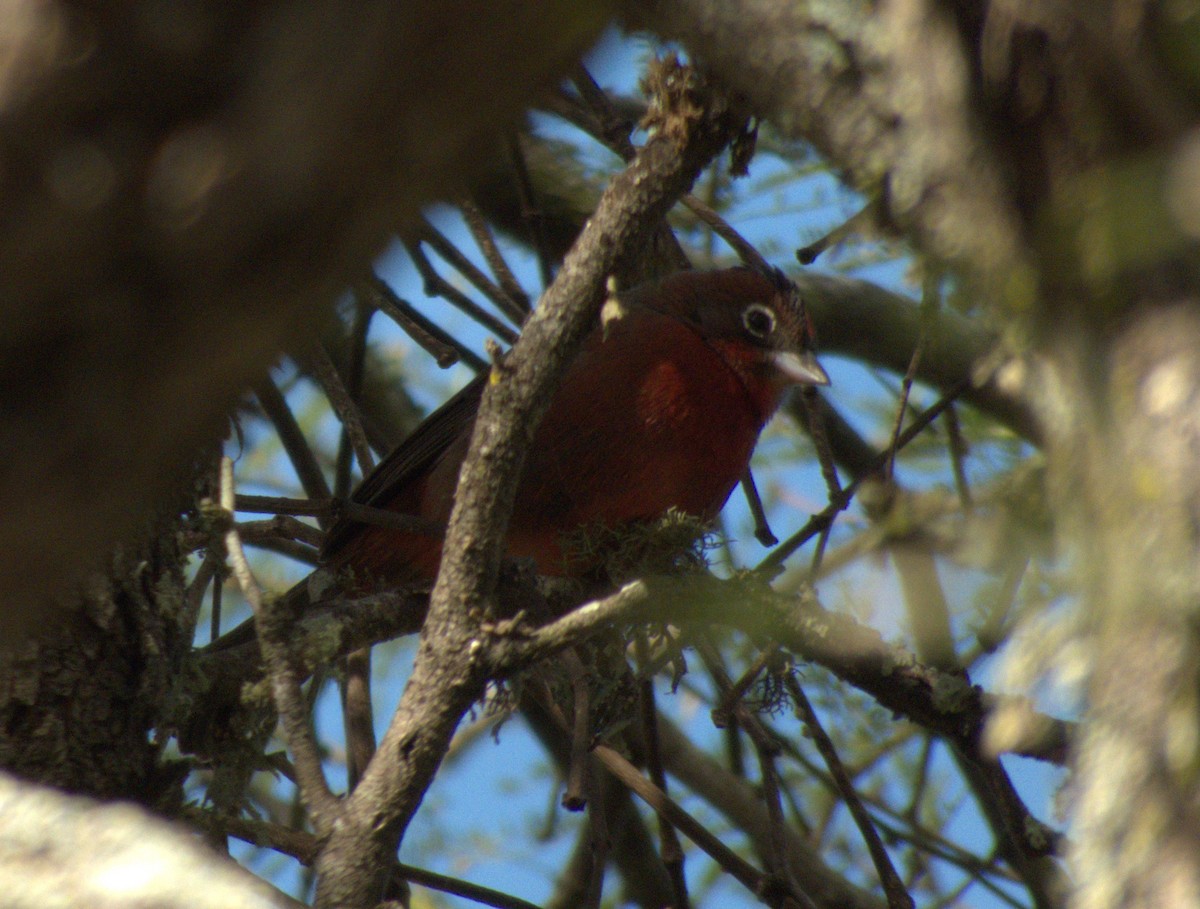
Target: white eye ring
[758,320]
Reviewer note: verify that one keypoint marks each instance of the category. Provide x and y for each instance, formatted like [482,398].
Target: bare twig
[516,300]
[343,405]
[749,876]
[281,526]
[820,521]
[897,895]
[672,852]
[307,469]
[326,509]
[733,692]
[529,210]
[766,746]
[298,552]
[929,300]
[214,622]
[455,257]
[653,796]
[740,245]
[209,570]
[355,367]
[609,126]
[358,715]
[442,883]
[600,842]
[959,449]
[575,795]
[861,222]
[282,505]
[811,399]
[304,846]
[444,349]
[437,286]
[323,806]
[762,529]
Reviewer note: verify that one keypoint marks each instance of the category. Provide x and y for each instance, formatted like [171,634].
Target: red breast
[661,409]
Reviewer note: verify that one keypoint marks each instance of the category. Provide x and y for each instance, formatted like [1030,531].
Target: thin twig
[437,286]
[767,748]
[328,509]
[356,367]
[814,418]
[862,221]
[381,517]
[283,505]
[762,529]
[733,692]
[610,127]
[929,303]
[358,715]
[529,211]
[214,621]
[672,852]
[595,114]
[898,896]
[298,552]
[486,240]
[445,349]
[323,806]
[959,449]
[304,846]
[209,569]
[343,405]
[740,245]
[312,480]
[818,432]
[575,794]
[281,526]
[825,517]
[732,863]
[767,751]
[600,841]
[485,896]
[818,556]
[902,408]
[465,267]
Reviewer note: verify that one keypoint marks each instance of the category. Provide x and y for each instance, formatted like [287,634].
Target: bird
[660,410]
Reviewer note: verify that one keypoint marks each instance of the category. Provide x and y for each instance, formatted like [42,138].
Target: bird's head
[756,321]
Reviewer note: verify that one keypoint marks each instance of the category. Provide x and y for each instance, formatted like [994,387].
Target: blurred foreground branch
[186,190]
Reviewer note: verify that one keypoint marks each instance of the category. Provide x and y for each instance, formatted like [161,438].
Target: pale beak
[800,368]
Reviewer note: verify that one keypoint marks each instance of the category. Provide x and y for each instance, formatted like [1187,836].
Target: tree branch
[184,199]
[890,103]
[447,675]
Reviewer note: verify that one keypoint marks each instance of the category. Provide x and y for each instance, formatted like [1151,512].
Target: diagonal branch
[447,675]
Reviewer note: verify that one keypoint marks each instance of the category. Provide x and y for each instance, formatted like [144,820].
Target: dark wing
[410,458]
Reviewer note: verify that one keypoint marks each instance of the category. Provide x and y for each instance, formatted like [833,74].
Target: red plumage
[661,409]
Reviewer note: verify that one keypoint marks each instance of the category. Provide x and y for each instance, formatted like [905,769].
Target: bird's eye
[759,320]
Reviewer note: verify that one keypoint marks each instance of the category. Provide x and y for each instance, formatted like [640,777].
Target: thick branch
[447,677]
[884,91]
[183,195]
[68,851]
[876,326]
